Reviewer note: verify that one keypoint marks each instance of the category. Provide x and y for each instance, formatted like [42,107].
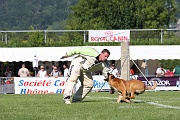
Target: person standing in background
[160,72]
[66,71]
[176,70]
[23,72]
[8,72]
[114,71]
[131,73]
[42,73]
[35,63]
[55,73]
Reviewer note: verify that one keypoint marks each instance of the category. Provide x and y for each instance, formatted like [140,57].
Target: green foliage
[73,38]
[169,64]
[133,14]
[41,14]
[86,14]
[36,39]
[2,44]
[120,14]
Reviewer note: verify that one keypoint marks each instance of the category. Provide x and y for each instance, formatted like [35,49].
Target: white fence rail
[159,34]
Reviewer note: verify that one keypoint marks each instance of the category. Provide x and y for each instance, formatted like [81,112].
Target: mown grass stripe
[152,103]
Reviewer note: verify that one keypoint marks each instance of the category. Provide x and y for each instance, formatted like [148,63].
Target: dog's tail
[152,87]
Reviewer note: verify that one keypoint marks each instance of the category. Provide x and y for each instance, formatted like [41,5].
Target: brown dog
[127,87]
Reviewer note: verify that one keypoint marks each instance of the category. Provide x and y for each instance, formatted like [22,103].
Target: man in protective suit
[86,61]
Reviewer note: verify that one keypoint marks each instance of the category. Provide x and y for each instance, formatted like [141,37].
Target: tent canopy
[54,53]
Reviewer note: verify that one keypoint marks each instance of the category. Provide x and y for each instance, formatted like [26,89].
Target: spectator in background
[131,73]
[169,73]
[23,72]
[42,72]
[160,72]
[55,73]
[8,72]
[66,71]
[115,72]
[176,70]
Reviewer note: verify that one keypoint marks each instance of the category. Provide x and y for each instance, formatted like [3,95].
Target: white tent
[140,52]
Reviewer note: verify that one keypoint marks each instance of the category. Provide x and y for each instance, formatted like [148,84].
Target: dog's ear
[112,77]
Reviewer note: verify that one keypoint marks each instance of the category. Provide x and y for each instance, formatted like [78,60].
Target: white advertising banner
[39,85]
[34,85]
[109,36]
[52,85]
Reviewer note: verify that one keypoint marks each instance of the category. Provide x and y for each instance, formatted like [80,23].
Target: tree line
[86,15]
[41,14]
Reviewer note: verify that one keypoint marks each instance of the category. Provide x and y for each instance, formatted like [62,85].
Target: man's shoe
[67,100]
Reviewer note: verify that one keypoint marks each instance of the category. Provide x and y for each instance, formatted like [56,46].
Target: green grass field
[160,105]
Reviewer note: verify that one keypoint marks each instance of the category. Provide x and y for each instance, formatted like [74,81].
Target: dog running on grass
[128,88]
